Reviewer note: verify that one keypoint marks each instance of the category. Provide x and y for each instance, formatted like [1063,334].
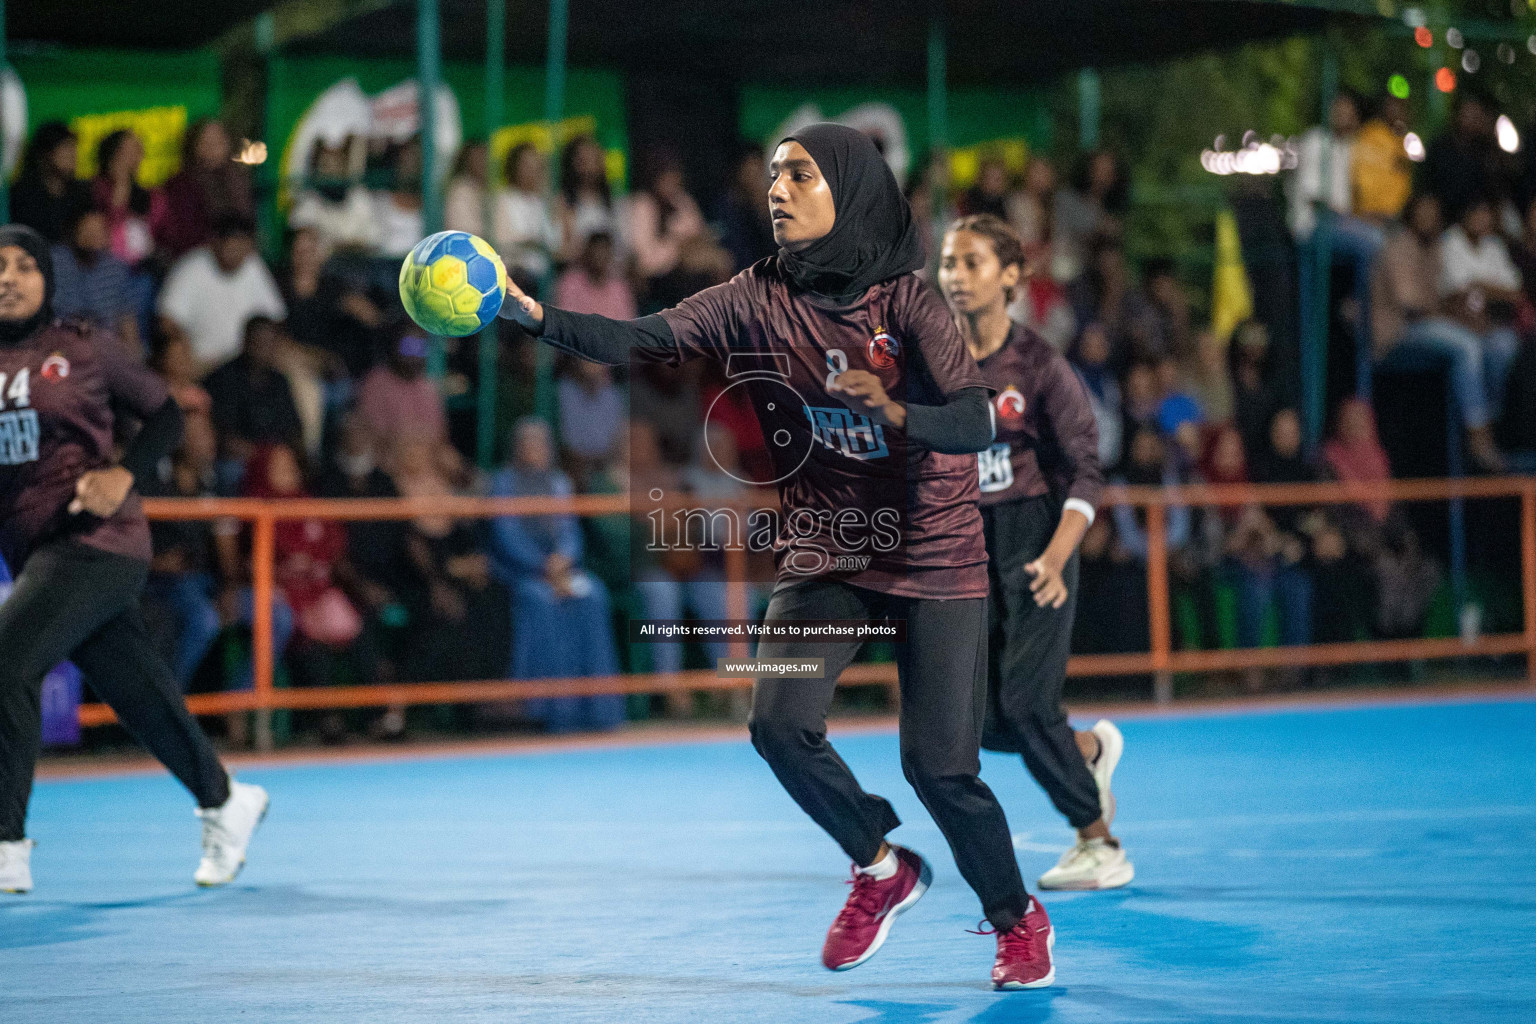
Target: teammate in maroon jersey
[72,529]
[874,417]
[1039,482]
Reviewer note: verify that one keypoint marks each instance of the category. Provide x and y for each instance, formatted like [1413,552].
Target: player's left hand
[1049,588]
[101,491]
[862,391]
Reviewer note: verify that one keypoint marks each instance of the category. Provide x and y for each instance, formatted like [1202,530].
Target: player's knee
[939,782]
[779,737]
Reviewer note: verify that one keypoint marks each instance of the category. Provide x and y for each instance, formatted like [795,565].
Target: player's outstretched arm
[594,337]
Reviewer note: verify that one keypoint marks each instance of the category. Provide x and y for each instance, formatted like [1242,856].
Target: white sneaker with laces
[16,866]
[227,831]
[1111,746]
[1091,864]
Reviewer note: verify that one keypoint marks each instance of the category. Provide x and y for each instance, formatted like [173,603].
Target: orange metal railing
[1161,661]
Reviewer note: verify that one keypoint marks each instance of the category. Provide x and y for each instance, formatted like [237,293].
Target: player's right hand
[522,308]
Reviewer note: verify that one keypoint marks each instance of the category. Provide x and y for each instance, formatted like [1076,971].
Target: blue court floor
[1365,865]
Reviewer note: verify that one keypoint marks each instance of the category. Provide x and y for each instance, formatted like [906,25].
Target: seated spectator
[594,284]
[1462,164]
[92,284]
[1409,327]
[1179,416]
[1256,388]
[591,416]
[398,398]
[1204,376]
[1094,205]
[1354,455]
[460,613]
[397,209]
[1147,464]
[674,254]
[1381,173]
[526,235]
[989,194]
[745,229]
[46,191]
[729,407]
[333,202]
[585,203]
[132,212]
[209,190]
[325,311]
[1042,304]
[1106,294]
[1143,399]
[214,290]
[559,612]
[667,397]
[1480,288]
[172,359]
[1029,208]
[252,402]
[468,190]
[1170,305]
[1090,357]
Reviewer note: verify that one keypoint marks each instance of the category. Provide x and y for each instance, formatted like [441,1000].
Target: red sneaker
[866,918]
[1024,952]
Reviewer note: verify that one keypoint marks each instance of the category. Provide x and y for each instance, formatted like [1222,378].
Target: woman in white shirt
[1480,288]
[526,234]
[464,206]
[585,205]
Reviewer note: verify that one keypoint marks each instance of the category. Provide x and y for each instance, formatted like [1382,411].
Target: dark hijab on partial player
[12,331]
[873,237]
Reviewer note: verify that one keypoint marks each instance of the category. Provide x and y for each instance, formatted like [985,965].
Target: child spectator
[214,290]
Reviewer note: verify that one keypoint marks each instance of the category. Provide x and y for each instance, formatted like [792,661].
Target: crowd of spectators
[301,376]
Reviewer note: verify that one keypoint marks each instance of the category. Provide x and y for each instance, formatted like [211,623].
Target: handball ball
[452,283]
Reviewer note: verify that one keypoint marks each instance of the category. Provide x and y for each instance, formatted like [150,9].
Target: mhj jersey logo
[1010,404]
[996,468]
[843,430]
[884,350]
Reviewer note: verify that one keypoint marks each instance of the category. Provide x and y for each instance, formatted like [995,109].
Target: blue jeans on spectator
[1501,347]
[667,598]
[1289,587]
[554,637]
[1436,338]
[190,598]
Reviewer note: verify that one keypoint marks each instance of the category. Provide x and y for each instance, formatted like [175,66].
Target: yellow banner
[161,129]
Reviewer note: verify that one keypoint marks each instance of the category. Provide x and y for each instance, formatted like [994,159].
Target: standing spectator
[1170,306]
[212,292]
[132,213]
[469,188]
[591,416]
[333,202]
[671,244]
[989,194]
[91,283]
[526,235]
[1408,325]
[1480,285]
[397,209]
[209,189]
[1256,395]
[593,284]
[1381,173]
[46,190]
[745,229]
[1090,357]
[586,203]
[326,311]
[253,403]
[1461,165]
[1093,206]
[559,611]
[1106,294]
[398,398]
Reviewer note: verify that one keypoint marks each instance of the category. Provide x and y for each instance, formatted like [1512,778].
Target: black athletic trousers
[75,602]
[1029,649]
[942,668]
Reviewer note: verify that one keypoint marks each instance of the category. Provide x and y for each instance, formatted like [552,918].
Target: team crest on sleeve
[55,367]
[1010,404]
[884,349]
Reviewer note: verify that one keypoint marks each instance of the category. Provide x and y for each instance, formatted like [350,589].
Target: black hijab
[873,238]
[12,331]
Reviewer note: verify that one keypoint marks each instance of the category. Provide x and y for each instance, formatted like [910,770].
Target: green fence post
[495,91]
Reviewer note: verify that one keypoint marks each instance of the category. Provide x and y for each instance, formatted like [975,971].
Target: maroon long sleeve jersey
[1047,441]
[59,390]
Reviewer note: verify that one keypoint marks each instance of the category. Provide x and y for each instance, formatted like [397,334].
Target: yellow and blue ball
[452,283]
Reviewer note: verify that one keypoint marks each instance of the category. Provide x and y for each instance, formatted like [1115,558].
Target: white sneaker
[227,831]
[1111,746]
[16,866]
[1091,864]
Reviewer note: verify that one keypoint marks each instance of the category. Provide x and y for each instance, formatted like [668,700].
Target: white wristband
[1080,505]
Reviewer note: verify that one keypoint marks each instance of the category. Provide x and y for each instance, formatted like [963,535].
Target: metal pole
[1159,622]
[495,92]
[1316,285]
[429,73]
[554,113]
[1089,104]
[938,124]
